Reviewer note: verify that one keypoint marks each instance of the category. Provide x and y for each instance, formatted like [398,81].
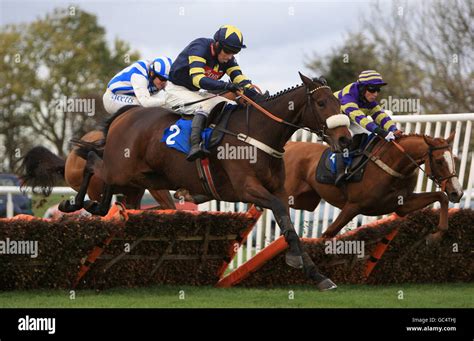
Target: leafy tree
[62,57]
[344,63]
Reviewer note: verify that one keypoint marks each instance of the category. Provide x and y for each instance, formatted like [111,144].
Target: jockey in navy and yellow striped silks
[197,66]
[201,65]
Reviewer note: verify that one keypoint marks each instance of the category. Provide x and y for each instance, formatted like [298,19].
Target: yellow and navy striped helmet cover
[230,36]
[370,77]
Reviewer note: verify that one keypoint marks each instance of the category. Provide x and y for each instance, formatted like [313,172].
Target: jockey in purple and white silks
[138,84]
[358,101]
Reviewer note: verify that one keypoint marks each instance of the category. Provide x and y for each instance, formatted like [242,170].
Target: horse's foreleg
[348,212]
[259,195]
[295,257]
[101,208]
[78,203]
[417,201]
[95,166]
[163,197]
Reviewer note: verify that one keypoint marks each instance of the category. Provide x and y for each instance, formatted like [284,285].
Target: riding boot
[198,150]
[340,169]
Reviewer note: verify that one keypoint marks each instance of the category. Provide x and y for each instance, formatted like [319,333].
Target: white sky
[280,35]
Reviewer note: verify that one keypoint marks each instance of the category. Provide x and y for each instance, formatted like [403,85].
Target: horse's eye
[439,162]
[321,103]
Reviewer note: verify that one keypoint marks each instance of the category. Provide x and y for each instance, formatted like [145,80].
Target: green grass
[454,295]
[41,203]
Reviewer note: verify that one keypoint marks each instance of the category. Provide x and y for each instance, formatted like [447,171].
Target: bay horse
[382,189]
[42,168]
[149,163]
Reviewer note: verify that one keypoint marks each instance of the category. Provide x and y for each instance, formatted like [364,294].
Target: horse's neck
[416,147]
[273,133]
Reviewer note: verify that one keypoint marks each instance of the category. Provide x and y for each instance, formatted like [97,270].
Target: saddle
[218,120]
[177,135]
[361,147]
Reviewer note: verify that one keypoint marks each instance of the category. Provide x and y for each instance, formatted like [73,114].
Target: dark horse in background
[42,168]
[382,189]
[151,164]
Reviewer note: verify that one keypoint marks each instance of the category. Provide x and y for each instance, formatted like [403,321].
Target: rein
[440,181]
[321,132]
[265,148]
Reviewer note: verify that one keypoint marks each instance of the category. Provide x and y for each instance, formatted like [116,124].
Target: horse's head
[440,166]
[322,113]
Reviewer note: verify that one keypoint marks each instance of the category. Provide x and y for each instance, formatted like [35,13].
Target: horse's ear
[306,80]
[428,140]
[450,139]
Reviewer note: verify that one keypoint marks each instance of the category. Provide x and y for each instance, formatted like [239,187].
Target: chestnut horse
[378,192]
[151,164]
[42,168]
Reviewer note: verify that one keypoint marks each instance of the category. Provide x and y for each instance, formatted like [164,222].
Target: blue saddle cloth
[177,136]
[331,157]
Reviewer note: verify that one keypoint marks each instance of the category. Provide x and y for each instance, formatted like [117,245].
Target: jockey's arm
[140,87]
[236,76]
[197,62]
[350,107]
[382,119]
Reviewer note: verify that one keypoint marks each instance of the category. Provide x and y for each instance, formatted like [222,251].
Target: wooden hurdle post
[253,212]
[117,213]
[379,250]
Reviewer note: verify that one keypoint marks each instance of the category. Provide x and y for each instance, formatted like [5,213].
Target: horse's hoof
[66,207]
[92,207]
[294,261]
[326,285]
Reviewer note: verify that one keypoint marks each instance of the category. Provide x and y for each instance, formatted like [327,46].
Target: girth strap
[384,166]
[253,142]
[205,175]
[260,145]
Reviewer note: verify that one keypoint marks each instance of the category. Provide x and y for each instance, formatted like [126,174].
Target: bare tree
[435,41]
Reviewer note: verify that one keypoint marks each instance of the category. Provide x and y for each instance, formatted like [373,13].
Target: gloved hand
[232,87]
[255,96]
[390,136]
[398,133]
[380,132]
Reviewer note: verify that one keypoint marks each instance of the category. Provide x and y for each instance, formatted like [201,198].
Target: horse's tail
[41,168]
[84,147]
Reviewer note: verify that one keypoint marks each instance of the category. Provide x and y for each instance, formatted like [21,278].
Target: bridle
[430,173]
[321,132]
[440,181]
[322,127]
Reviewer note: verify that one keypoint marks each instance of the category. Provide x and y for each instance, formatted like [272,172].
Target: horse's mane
[284,92]
[420,135]
[319,80]
[412,135]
